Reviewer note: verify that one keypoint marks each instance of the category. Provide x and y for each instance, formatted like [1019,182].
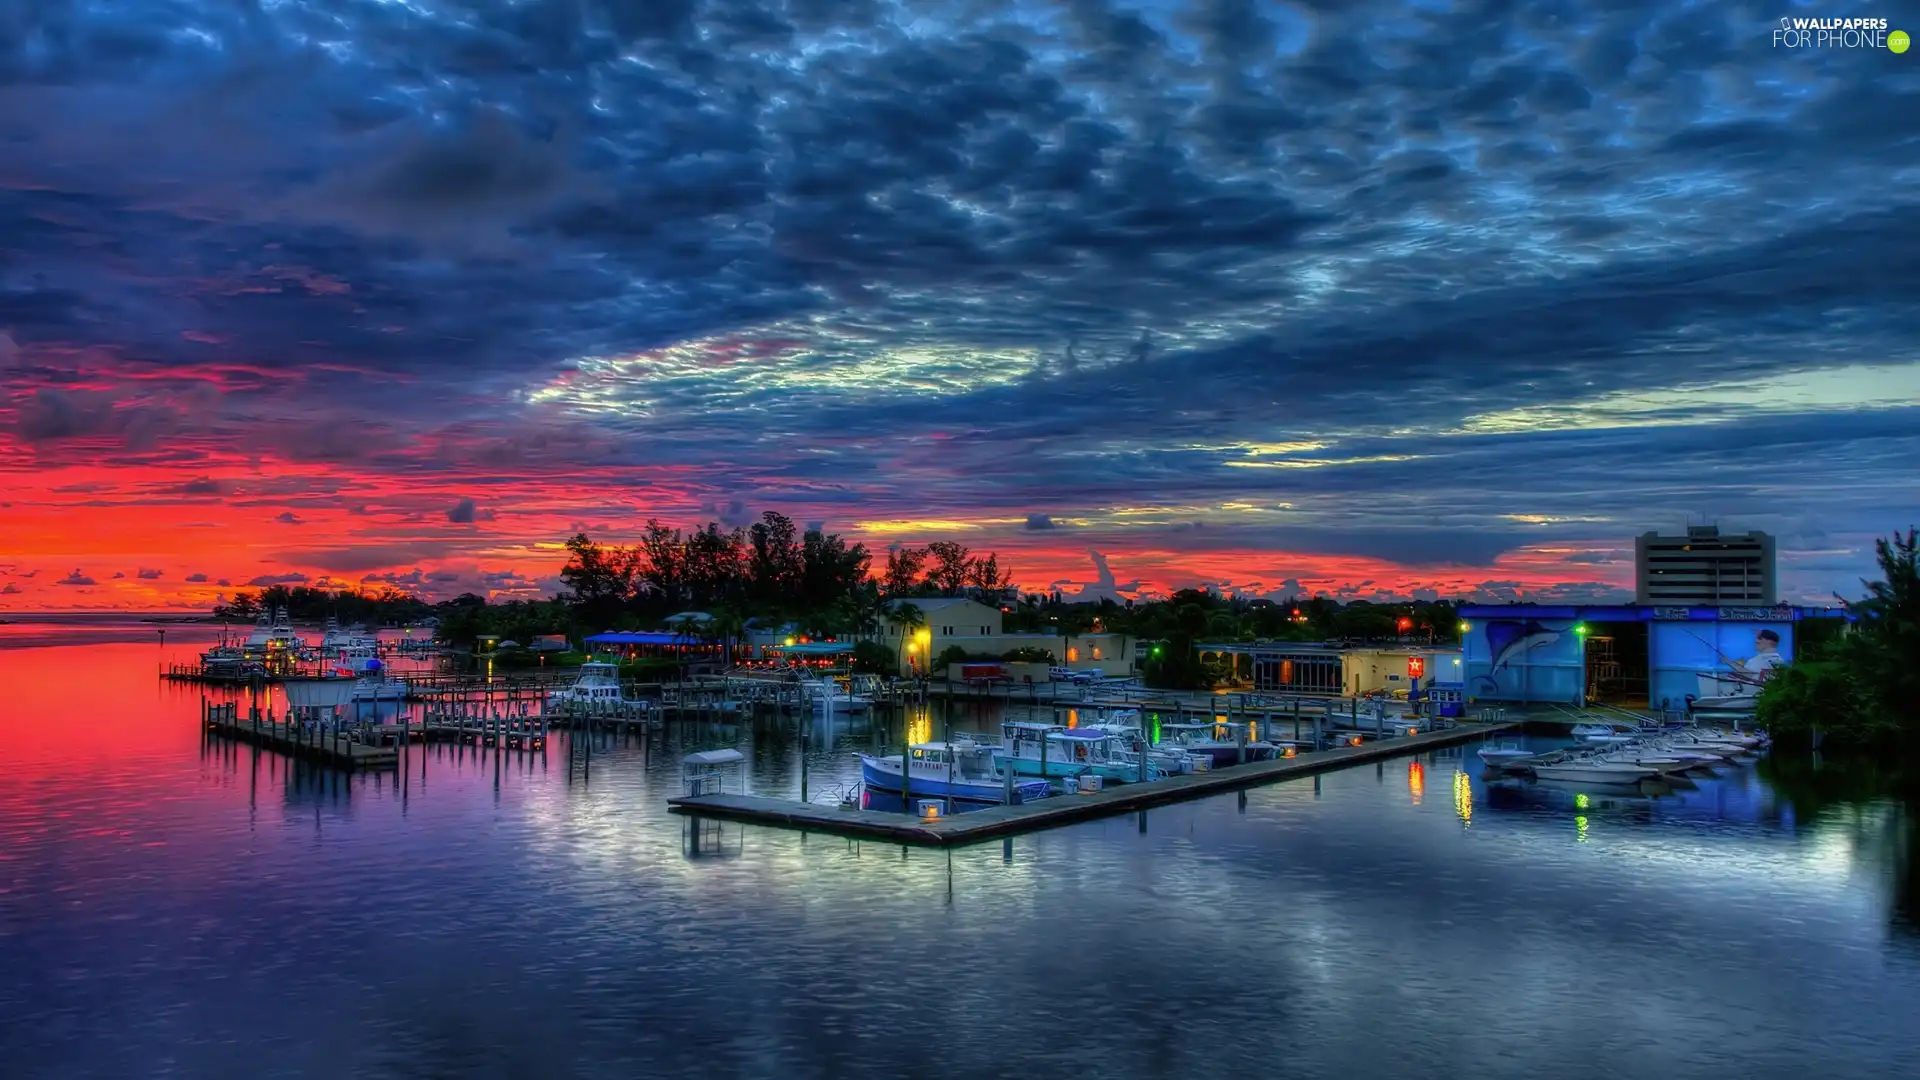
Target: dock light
[1465,626]
[789,643]
[1580,628]
[1288,752]
[1355,741]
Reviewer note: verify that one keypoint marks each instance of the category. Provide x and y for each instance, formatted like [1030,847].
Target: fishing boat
[597,686]
[1049,750]
[1170,760]
[375,685]
[1221,741]
[966,772]
[834,695]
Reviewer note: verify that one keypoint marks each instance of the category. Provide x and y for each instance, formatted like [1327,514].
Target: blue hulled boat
[962,772]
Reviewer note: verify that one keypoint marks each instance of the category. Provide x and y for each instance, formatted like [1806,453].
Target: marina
[1469,901]
[942,830]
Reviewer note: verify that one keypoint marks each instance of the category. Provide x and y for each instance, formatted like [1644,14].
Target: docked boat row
[1612,758]
[1034,759]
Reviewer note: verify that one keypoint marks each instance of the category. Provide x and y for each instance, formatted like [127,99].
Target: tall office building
[1704,567]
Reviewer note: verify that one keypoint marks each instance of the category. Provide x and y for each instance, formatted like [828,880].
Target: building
[1630,655]
[978,630]
[1311,669]
[1705,567]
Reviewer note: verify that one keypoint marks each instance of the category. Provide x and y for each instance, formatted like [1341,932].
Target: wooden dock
[312,741]
[995,822]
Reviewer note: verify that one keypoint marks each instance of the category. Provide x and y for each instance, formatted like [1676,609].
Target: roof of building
[932,603]
[639,637]
[1652,612]
[689,616]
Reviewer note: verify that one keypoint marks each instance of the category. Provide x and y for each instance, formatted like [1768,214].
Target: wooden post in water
[906,761]
[1240,735]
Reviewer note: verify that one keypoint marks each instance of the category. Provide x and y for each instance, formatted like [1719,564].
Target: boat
[1504,753]
[375,685]
[1049,750]
[1590,768]
[597,686]
[966,772]
[339,644]
[834,695]
[1169,760]
[1221,741]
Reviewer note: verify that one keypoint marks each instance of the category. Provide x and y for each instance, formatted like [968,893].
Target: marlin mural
[1509,639]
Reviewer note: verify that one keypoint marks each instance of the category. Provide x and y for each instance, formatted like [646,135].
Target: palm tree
[909,618]
[729,626]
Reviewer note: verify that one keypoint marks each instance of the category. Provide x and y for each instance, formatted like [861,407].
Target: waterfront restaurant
[657,644]
[1633,656]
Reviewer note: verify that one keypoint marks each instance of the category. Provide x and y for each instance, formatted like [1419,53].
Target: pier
[995,822]
[317,742]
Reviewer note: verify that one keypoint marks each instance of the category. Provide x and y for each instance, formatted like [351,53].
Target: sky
[1370,299]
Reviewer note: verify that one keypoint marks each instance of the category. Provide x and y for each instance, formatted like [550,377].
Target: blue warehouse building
[1623,654]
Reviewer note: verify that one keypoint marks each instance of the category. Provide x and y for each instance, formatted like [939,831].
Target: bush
[874,658]
[1027,654]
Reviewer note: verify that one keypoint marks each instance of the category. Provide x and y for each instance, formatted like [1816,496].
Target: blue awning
[642,637]
[814,648]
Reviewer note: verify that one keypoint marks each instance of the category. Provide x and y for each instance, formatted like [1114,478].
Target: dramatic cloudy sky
[1327,294]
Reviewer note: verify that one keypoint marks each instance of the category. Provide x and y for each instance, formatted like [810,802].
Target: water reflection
[485,914]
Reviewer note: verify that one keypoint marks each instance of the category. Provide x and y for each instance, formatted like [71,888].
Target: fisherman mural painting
[1750,673]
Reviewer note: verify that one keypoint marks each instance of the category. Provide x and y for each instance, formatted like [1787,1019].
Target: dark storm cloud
[634,233]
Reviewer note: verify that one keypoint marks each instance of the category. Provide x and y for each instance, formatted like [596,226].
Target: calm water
[170,910]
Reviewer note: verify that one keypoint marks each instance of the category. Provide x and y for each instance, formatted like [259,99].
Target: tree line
[1860,691]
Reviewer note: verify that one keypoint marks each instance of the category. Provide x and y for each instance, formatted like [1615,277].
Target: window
[983,631]
[946,631]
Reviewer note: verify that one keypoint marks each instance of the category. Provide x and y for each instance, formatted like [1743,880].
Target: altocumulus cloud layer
[1353,296]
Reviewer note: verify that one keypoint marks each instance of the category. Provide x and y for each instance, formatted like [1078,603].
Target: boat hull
[1590,774]
[876,774]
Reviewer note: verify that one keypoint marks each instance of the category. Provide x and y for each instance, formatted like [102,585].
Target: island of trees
[774,573]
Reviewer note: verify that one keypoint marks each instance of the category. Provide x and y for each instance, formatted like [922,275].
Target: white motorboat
[597,686]
[375,685]
[1170,760]
[1594,771]
[1663,764]
[834,695]
[1504,753]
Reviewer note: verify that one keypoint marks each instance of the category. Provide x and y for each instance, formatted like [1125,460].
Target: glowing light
[1463,798]
[1580,829]
[1416,781]
[1465,626]
[789,642]
[1581,802]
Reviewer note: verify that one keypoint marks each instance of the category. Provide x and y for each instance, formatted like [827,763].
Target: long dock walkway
[995,822]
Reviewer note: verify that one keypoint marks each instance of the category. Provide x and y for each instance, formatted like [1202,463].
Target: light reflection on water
[170,909]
